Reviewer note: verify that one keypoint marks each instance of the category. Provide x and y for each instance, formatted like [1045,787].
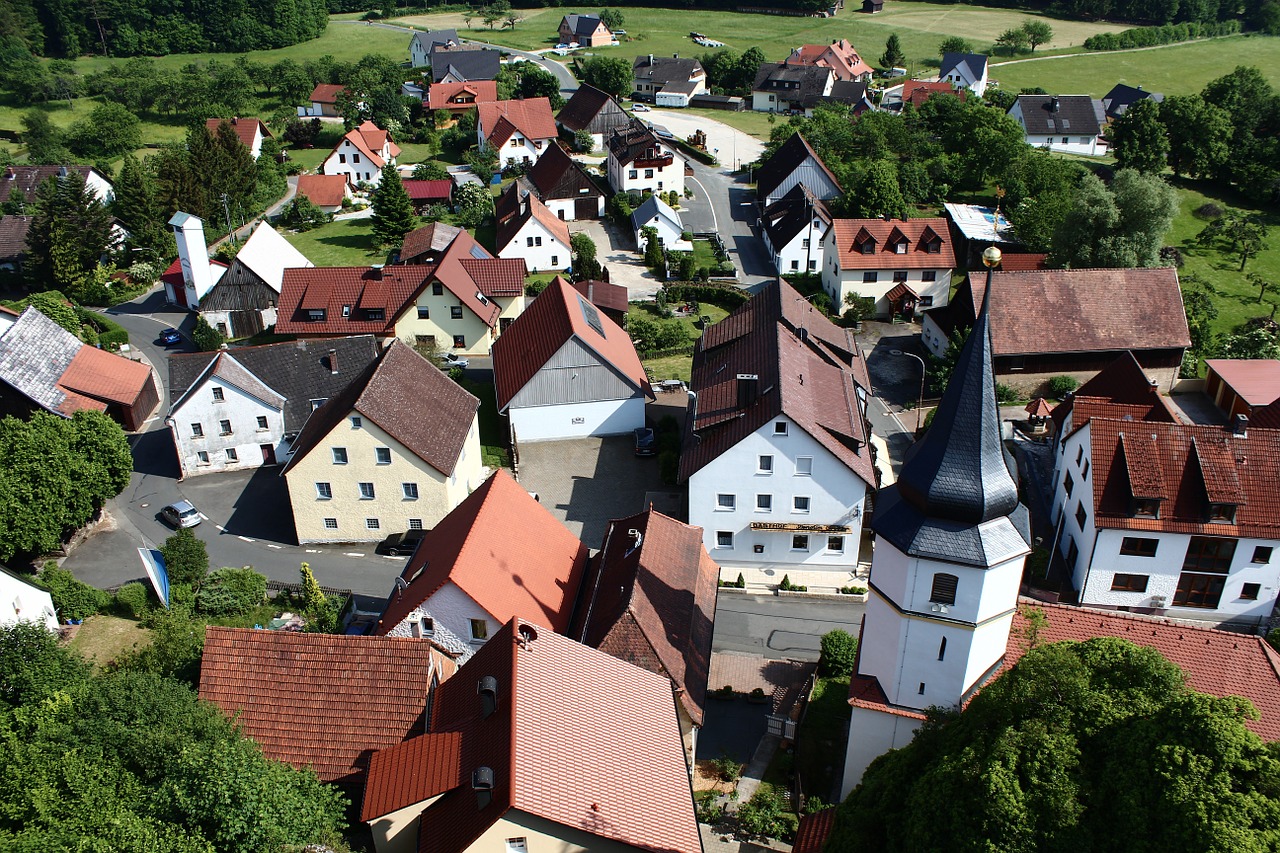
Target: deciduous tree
[1139,140]
[877,193]
[186,560]
[1037,32]
[612,18]
[474,203]
[955,44]
[608,74]
[1199,135]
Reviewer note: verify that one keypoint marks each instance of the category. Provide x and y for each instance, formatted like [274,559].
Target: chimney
[1240,426]
[9,174]
[487,687]
[482,784]
[333,362]
[234,121]
[1054,103]
[651,59]
[375,272]
[748,385]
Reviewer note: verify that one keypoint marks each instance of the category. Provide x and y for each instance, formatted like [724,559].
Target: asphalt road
[780,628]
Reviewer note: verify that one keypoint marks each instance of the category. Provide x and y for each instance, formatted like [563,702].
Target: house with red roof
[565,370]
[462,96]
[326,192]
[905,265]
[395,450]
[1119,389]
[424,194]
[323,701]
[527,229]
[324,100]
[609,298]
[360,155]
[776,450]
[45,367]
[839,56]
[250,131]
[916,92]
[538,743]
[518,130]
[1242,386]
[426,245]
[499,555]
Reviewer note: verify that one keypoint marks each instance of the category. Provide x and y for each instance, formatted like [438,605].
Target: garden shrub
[839,651]
[131,600]
[186,560]
[1006,393]
[1061,386]
[766,815]
[72,597]
[230,592]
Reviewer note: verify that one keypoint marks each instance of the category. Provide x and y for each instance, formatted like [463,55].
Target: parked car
[402,544]
[646,442]
[451,360]
[181,514]
[169,337]
[639,108]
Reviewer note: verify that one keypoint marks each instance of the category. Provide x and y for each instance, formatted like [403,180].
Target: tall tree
[585,265]
[893,56]
[1037,32]
[138,208]
[877,193]
[1119,227]
[45,143]
[955,44]
[1199,135]
[1012,40]
[108,131]
[393,215]
[608,74]
[612,18]
[1139,140]
[70,232]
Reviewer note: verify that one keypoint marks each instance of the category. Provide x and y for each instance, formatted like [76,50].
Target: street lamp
[923,370]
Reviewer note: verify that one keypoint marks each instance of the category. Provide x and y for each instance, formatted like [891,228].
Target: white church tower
[193,255]
[951,540]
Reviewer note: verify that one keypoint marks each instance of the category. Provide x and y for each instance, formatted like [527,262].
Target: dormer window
[1146,508]
[316,315]
[900,247]
[868,247]
[1222,513]
[933,247]
[375,313]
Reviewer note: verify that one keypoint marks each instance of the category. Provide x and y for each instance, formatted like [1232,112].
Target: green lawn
[495,435]
[675,366]
[1176,70]
[820,742]
[670,367]
[102,638]
[749,122]
[344,243]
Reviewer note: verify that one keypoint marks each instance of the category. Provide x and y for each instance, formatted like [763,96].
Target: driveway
[734,148]
[615,248]
[588,482]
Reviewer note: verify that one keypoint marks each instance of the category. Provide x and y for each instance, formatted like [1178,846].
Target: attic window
[316,315]
[1222,513]
[900,247]
[933,246]
[1146,508]
[867,247]
[346,310]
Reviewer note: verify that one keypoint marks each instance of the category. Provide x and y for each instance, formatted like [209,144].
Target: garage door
[586,208]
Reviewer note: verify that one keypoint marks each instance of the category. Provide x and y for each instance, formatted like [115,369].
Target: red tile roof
[369,139]
[360,289]
[515,208]
[425,191]
[916,92]
[106,376]
[813,831]
[323,190]
[410,399]
[443,96]
[602,294]
[579,739]
[247,129]
[1119,389]
[839,55]
[531,117]
[1256,380]
[1189,466]
[852,234]
[811,378]
[496,276]
[652,603]
[504,550]
[320,700]
[1217,663]
[427,240]
[1014,262]
[557,315]
[326,93]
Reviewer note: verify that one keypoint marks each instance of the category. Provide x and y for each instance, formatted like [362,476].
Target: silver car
[181,514]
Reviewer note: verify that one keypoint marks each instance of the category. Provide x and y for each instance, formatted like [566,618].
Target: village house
[22,601]
[526,229]
[594,111]
[361,154]
[965,71]
[776,451]
[13,241]
[903,264]
[1116,102]
[563,185]
[564,370]
[655,213]
[396,450]
[326,192]
[839,56]
[459,97]
[324,100]
[45,367]
[638,162]
[25,179]
[585,30]
[427,245]
[427,194]
[250,131]
[795,230]
[465,62]
[1070,124]
[795,162]
[917,93]
[609,298]
[518,130]
[780,87]
[244,408]
[502,757]
[460,586]
[243,301]
[654,75]
[422,44]
[1120,389]
[348,696]
[1242,386]
[1047,323]
[649,598]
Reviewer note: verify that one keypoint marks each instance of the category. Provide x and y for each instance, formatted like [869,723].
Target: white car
[640,108]
[181,514]
[450,360]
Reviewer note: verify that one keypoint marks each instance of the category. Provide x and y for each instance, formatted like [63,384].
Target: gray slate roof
[467,64]
[970,65]
[34,354]
[297,371]
[665,69]
[1075,115]
[955,499]
[653,206]
[582,25]
[13,236]
[1121,97]
[428,41]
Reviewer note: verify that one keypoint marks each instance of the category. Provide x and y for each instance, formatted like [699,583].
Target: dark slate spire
[957,471]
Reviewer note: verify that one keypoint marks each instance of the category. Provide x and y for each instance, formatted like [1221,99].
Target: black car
[169,337]
[646,443]
[402,544]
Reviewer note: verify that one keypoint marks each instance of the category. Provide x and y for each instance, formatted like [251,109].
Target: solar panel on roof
[479,253]
[591,315]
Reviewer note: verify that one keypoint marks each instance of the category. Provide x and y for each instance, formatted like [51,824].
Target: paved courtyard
[616,249]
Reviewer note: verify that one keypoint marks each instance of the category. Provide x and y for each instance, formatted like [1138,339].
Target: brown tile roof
[467,268]
[1119,389]
[1217,663]
[853,234]
[653,604]
[1023,261]
[442,96]
[593,110]
[578,739]
[323,190]
[13,236]
[602,294]
[503,549]
[320,700]
[410,399]
[515,208]
[1188,466]
[496,276]
[813,831]
[839,55]
[634,141]
[558,314]
[531,117]
[433,238]
[246,128]
[26,178]
[326,93]
[1266,417]
[1256,380]
[1084,310]
[420,192]
[811,377]
[106,376]
[557,175]
[361,289]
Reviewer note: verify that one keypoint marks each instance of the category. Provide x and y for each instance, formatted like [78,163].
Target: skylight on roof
[479,253]
[591,315]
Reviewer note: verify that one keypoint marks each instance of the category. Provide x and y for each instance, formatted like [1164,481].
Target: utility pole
[226,208]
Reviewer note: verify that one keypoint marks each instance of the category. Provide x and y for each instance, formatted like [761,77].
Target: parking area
[588,482]
[255,503]
[616,249]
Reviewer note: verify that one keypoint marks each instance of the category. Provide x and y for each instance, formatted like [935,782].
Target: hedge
[111,335]
[1167,34]
[704,157]
[727,297]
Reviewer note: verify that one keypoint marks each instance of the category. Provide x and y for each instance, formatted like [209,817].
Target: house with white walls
[22,601]
[243,408]
[965,71]
[795,230]
[903,264]
[657,214]
[1070,124]
[461,586]
[563,185]
[638,162]
[565,370]
[527,229]
[518,130]
[776,452]
[360,155]
[795,162]
[250,131]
